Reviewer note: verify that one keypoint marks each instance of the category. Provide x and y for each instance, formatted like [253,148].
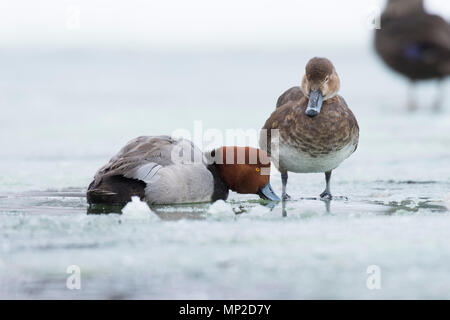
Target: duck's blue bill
[267,193]
[315,103]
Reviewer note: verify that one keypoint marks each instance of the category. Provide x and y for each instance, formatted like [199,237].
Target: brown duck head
[245,170]
[320,83]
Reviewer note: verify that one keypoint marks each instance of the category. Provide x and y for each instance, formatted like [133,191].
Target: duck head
[245,170]
[320,83]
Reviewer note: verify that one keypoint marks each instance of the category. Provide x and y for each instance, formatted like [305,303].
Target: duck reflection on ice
[302,207]
[200,211]
[327,203]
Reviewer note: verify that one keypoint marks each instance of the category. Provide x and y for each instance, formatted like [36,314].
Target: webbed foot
[326,196]
[285,197]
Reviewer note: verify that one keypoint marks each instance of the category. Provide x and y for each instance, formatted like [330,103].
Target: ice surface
[65,114]
[220,207]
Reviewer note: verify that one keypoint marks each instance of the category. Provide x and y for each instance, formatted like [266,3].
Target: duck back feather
[159,169]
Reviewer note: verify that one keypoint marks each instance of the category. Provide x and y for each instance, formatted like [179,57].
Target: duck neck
[221,190]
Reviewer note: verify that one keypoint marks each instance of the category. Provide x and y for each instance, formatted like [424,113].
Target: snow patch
[221,207]
[137,209]
[260,211]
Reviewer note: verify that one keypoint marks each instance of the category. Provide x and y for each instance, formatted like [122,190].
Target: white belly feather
[294,160]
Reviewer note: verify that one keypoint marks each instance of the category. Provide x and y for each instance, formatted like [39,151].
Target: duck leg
[284,178]
[283,209]
[412,102]
[326,195]
[437,106]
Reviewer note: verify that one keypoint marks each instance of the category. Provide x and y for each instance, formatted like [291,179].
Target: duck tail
[115,190]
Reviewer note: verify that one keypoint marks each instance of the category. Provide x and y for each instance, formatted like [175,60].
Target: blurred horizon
[196,25]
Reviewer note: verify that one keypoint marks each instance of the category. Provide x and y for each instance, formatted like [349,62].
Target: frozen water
[64,114]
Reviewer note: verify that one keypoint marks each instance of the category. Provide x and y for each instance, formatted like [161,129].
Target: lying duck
[316,129]
[415,44]
[164,170]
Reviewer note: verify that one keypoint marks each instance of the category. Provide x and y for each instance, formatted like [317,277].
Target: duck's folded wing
[353,123]
[143,157]
[146,172]
[139,158]
[292,94]
[129,171]
[283,116]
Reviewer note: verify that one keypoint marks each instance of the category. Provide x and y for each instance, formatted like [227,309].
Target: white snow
[221,207]
[137,209]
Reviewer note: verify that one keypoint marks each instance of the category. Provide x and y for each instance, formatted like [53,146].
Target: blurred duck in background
[317,130]
[415,44]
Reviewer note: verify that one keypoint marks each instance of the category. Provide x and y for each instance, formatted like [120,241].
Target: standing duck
[164,170]
[415,44]
[316,129]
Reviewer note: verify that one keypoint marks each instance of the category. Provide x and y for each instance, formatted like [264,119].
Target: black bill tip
[311,113]
[267,193]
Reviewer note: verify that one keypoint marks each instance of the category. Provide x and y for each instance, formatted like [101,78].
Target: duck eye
[326,79]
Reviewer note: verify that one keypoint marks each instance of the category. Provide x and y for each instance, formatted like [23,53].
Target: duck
[312,130]
[168,170]
[414,44]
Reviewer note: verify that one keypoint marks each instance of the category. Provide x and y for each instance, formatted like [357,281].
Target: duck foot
[412,107]
[437,107]
[412,101]
[326,196]
[286,197]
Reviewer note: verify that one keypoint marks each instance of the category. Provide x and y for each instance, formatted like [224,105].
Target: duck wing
[292,94]
[283,116]
[136,165]
[352,123]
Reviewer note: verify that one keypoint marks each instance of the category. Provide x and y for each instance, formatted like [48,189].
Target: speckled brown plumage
[316,129]
[292,94]
[334,128]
